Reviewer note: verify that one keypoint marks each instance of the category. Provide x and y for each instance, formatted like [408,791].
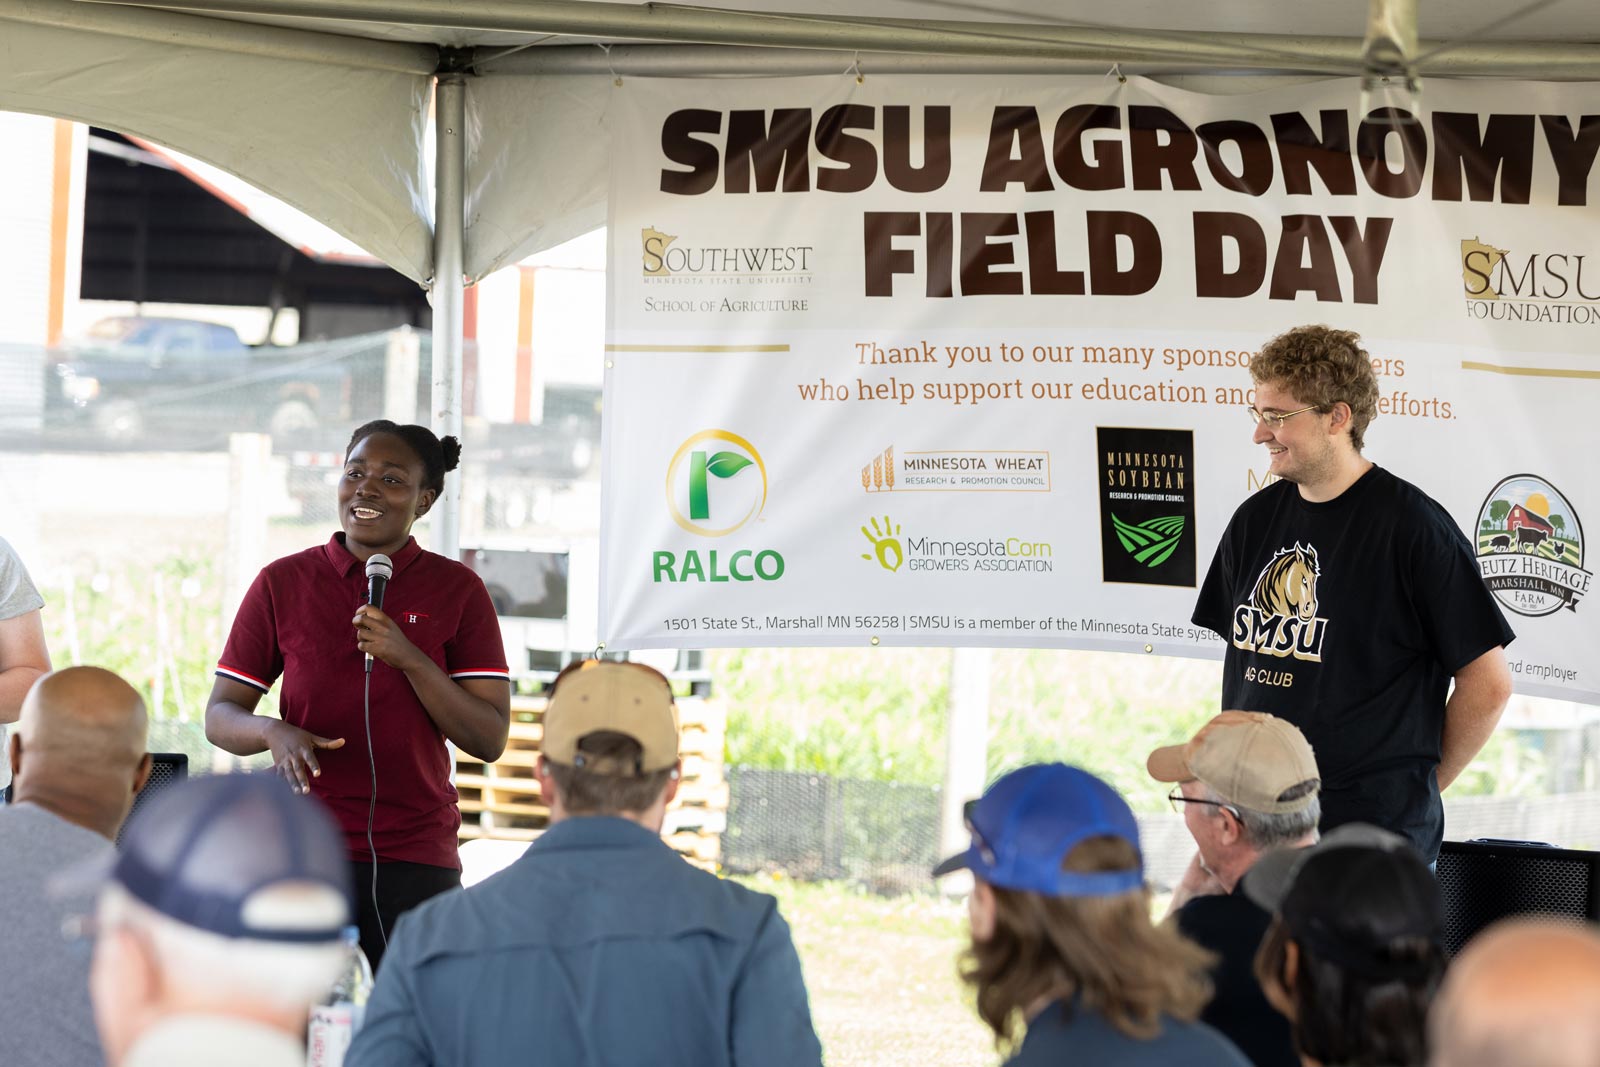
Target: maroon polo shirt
[295,623]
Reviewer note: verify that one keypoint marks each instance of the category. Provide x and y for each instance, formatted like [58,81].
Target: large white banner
[963,361]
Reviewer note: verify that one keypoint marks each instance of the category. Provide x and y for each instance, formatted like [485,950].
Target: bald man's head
[79,749]
[1525,993]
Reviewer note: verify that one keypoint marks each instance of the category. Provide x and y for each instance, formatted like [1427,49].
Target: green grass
[881,972]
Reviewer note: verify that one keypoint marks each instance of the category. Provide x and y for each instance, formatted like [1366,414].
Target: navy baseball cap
[201,850]
[1026,823]
[1351,896]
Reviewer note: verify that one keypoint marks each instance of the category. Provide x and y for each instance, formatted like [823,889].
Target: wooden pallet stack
[501,800]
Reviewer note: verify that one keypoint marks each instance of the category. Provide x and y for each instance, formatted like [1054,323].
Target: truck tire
[291,419]
[120,422]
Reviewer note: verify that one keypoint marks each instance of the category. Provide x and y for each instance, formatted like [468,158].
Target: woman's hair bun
[452,452]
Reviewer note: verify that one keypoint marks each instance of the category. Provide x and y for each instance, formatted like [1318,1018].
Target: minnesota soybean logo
[716,484]
[1146,505]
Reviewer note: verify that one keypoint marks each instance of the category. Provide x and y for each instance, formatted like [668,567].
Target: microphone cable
[372,801]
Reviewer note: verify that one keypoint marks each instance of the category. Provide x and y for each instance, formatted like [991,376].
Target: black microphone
[379,570]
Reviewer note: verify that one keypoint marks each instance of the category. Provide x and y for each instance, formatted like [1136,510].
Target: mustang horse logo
[1281,617]
[1288,584]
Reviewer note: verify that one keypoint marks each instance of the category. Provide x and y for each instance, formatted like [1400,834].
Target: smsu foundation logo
[1281,618]
[1530,547]
[1541,285]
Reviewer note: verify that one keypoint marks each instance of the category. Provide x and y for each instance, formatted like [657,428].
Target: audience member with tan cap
[600,945]
[1247,784]
[1524,993]
[77,760]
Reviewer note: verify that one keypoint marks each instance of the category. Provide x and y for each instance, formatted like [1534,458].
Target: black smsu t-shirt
[1348,618]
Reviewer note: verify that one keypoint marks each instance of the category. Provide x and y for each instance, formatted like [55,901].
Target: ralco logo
[716,484]
[1281,618]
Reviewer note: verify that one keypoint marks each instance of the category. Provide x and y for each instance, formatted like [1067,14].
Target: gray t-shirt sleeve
[18,595]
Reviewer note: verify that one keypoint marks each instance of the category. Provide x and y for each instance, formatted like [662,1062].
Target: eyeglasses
[1177,799]
[1272,418]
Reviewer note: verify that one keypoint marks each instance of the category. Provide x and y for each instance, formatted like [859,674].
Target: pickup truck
[179,383]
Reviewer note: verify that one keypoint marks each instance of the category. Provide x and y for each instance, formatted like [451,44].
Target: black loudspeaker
[166,768]
[1487,880]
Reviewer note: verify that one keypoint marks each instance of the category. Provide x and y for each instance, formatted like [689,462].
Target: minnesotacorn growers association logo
[886,546]
[1530,547]
[716,483]
[1281,618]
[892,549]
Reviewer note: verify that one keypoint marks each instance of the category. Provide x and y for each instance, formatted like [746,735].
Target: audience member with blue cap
[1062,940]
[219,926]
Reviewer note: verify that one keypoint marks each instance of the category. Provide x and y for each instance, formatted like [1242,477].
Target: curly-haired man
[1349,600]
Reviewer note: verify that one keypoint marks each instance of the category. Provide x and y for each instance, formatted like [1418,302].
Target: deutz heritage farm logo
[1281,618]
[1146,505]
[1546,287]
[716,485]
[1530,547]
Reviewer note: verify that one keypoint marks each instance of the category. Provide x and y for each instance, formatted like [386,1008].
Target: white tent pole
[450,109]
[1545,62]
[661,22]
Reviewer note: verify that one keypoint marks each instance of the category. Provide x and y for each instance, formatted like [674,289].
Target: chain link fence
[812,827]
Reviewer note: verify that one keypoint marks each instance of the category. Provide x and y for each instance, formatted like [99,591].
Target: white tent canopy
[324,103]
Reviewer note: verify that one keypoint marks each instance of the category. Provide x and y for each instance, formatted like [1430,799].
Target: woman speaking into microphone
[371,746]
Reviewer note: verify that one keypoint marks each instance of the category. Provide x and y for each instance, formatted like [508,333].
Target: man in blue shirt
[600,946]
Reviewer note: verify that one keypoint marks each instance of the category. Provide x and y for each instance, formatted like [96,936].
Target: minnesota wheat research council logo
[716,485]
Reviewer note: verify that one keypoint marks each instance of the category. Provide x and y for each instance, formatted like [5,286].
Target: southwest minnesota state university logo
[1281,618]
[1530,547]
[655,245]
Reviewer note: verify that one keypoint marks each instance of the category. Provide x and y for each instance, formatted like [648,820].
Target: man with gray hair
[1247,784]
[1524,993]
[222,922]
[77,761]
